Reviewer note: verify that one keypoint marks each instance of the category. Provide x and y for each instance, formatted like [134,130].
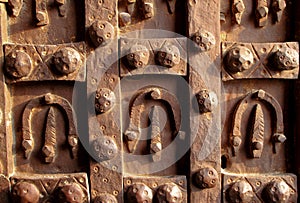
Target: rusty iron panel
[105,106]
[254,126]
[204,62]
[205,180]
[153,56]
[51,144]
[45,22]
[256,21]
[155,189]
[296,163]
[135,15]
[260,60]
[105,137]
[6,133]
[259,188]
[64,62]
[152,113]
[103,84]
[296,23]
[50,188]
[101,22]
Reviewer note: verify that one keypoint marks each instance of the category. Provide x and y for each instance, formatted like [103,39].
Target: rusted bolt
[260,94]
[168,56]
[18,64]
[238,59]
[72,193]
[240,192]
[27,144]
[105,100]
[48,151]
[105,198]
[238,8]
[148,10]
[66,60]
[257,145]
[204,40]
[156,94]
[278,7]
[26,193]
[124,19]
[279,138]
[101,33]
[277,191]
[73,140]
[138,56]
[131,135]
[285,59]
[49,98]
[261,12]
[170,193]
[104,148]
[139,193]
[207,101]
[236,141]
[42,18]
[206,178]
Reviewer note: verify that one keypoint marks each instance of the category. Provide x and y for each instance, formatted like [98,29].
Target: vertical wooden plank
[296,139]
[205,15]
[204,79]
[103,91]
[5,132]
[296,92]
[6,160]
[297,20]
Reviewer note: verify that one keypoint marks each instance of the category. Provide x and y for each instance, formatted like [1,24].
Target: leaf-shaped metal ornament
[156,144]
[238,8]
[49,149]
[258,131]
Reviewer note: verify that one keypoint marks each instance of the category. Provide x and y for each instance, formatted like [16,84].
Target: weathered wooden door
[144,101]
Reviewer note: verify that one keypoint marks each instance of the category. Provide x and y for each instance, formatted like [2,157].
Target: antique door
[145,101]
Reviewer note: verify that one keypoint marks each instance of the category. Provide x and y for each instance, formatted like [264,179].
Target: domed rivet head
[238,59]
[72,193]
[277,191]
[207,101]
[18,64]
[204,40]
[206,178]
[104,148]
[168,56]
[26,192]
[169,192]
[66,60]
[101,33]
[240,191]
[138,57]
[139,193]
[105,100]
[285,59]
